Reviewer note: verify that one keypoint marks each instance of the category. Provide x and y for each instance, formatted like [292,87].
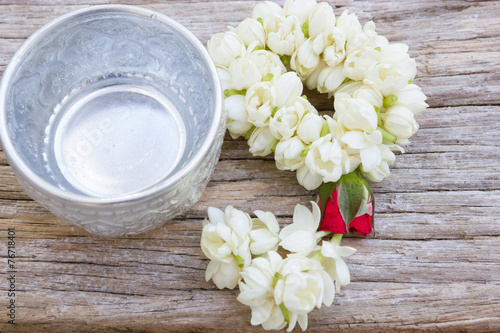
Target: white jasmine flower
[284,34]
[328,78]
[349,24]
[358,63]
[250,31]
[299,8]
[237,116]
[244,73]
[260,100]
[302,236]
[302,285]
[335,265]
[382,170]
[355,114]
[396,55]
[367,39]
[394,68]
[321,19]
[257,291]
[307,178]
[264,234]
[288,154]
[304,60]
[267,63]
[310,126]
[370,94]
[224,275]
[400,122]
[225,240]
[333,127]
[369,146]
[266,8]
[261,141]
[331,43]
[358,120]
[349,87]
[224,77]
[325,158]
[225,47]
[412,98]
[288,88]
[285,121]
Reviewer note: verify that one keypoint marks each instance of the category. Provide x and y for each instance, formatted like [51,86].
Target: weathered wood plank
[432,264]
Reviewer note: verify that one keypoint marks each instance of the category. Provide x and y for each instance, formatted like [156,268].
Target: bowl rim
[29,175]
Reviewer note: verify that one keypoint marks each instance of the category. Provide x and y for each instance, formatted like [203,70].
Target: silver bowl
[111,118]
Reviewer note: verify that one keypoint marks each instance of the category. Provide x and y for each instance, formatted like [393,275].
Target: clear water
[115,139]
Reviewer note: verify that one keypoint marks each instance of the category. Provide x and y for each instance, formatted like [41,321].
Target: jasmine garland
[264,64]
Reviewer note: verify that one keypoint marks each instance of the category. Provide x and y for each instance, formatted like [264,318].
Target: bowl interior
[108,102]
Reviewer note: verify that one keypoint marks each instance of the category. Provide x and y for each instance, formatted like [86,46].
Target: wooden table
[434,263]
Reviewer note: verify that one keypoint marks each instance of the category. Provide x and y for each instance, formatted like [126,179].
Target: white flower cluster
[279,291]
[375,102]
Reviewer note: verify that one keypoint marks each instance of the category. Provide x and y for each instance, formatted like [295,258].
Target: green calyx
[249,133]
[274,111]
[258,47]
[387,136]
[239,261]
[305,29]
[277,276]
[336,239]
[325,130]
[231,92]
[273,148]
[390,100]
[318,256]
[268,77]
[285,59]
[304,151]
[285,313]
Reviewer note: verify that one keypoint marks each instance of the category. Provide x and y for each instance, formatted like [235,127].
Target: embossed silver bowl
[111,117]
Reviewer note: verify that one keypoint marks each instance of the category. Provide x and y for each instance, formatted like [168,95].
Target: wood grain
[432,265]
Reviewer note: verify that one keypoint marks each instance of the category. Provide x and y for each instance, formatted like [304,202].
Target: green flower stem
[277,276]
[249,133]
[304,151]
[336,239]
[258,47]
[274,111]
[285,313]
[318,256]
[285,59]
[239,261]
[387,136]
[231,92]
[379,120]
[305,29]
[268,77]
[325,130]
[273,148]
[390,100]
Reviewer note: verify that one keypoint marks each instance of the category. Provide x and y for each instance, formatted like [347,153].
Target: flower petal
[300,241]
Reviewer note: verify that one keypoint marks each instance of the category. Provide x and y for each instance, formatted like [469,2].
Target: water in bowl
[115,138]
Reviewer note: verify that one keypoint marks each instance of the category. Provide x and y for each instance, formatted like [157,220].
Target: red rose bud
[333,221]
